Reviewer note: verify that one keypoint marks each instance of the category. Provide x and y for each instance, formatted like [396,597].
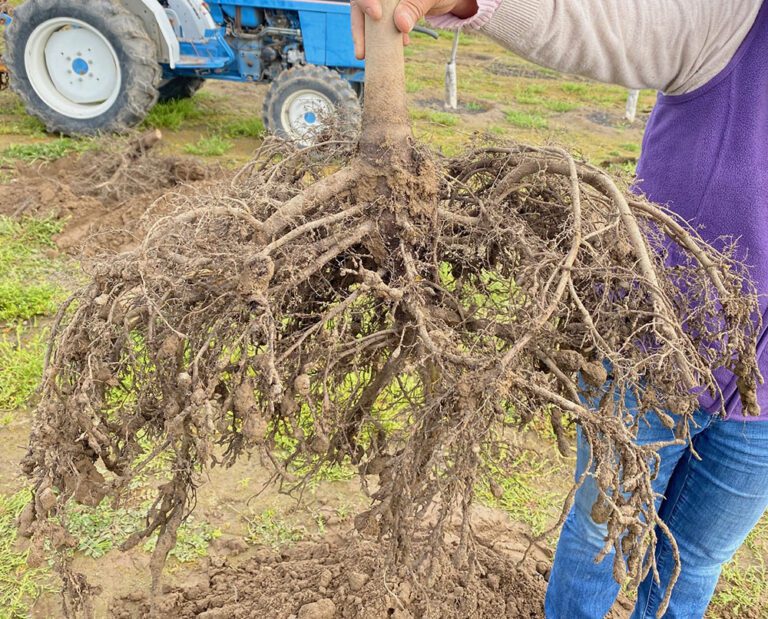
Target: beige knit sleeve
[670,45]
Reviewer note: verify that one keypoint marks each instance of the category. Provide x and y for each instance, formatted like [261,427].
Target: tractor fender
[158,27]
[194,19]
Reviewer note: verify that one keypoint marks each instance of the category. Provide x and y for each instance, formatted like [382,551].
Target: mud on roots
[401,314]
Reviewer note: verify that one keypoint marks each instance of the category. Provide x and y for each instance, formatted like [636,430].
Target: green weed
[173,114]
[530,95]
[211,146]
[102,528]
[525,120]
[192,541]
[521,494]
[743,590]
[42,151]
[252,127]
[632,147]
[574,88]
[413,85]
[26,289]
[269,529]
[21,359]
[20,585]
[555,105]
[26,125]
[439,118]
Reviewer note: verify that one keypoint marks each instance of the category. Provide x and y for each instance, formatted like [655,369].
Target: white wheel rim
[303,112]
[73,68]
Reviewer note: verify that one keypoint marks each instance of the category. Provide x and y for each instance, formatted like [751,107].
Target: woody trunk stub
[385,111]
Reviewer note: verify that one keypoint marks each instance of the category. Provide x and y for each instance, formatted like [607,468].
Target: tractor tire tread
[344,94]
[141,78]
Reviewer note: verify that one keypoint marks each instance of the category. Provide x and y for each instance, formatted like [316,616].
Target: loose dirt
[102,194]
[345,575]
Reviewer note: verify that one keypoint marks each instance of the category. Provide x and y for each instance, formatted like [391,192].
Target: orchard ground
[499,94]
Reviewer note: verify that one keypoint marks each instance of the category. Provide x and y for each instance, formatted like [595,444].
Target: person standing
[705,156]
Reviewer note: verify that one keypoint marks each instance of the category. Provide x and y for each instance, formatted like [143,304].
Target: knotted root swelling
[401,318]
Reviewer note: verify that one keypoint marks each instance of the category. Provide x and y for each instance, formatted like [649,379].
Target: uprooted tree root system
[399,314]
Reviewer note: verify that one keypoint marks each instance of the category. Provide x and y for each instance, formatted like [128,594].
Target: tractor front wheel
[302,101]
[82,68]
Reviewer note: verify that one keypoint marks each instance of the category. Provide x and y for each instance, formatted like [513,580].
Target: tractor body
[87,68]
[256,40]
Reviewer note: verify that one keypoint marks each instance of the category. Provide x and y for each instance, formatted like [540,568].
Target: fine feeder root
[400,314]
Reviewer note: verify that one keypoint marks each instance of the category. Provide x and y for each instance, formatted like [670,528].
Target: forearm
[669,45]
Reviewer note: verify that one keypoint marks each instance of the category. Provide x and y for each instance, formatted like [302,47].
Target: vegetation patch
[27,287]
[104,528]
[21,360]
[20,585]
[42,151]
[246,127]
[211,146]
[525,120]
[269,528]
[173,114]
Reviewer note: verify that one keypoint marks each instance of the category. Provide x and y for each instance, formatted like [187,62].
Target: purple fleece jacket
[705,155]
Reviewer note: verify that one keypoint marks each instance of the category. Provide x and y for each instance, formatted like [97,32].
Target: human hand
[407,14]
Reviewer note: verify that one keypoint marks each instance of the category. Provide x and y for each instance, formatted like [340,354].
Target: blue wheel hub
[80,66]
[310,118]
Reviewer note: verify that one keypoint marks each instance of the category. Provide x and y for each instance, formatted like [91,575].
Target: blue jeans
[710,505]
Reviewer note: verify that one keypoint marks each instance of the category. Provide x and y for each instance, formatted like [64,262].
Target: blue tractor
[95,66]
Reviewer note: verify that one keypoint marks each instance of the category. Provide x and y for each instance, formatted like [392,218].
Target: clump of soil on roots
[103,193]
[402,314]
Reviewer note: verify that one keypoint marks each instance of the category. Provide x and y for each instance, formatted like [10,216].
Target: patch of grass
[632,147]
[26,289]
[270,529]
[555,105]
[530,95]
[42,151]
[173,114]
[743,590]
[102,528]
[249,127]
[26,125]
[521,494]
[20,585]
[21,360]
[18,302]
[192,541]
[743,585]
[525,120]
[412,85]
[574,88]
[474,106]
[445,119]
[210,146]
